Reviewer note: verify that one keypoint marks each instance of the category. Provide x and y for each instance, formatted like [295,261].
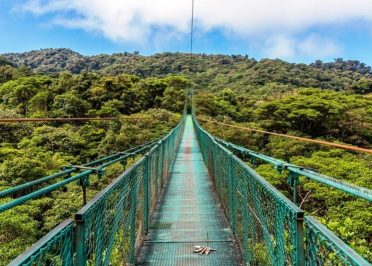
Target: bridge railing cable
[302,139]
[271,229]
[67,178]
[268,226]
[132,151]
[110,227]
[296,171]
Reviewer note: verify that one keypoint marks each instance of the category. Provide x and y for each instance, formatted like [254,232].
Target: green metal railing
[269,227]
[324,248]
[267,224]
[109,228]
[56,248]
[65,177]
[296,171]
[68,172]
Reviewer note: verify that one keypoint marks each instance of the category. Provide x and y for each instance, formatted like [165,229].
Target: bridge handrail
[322,246]
[38,181]
[80,176]
[262,218]
[280,165]
[59,236]
[56,247]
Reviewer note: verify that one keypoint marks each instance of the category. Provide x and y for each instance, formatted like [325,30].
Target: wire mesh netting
[56,248]
[265,222]
[109,229]
[324,248]
[114,223]
[110,225]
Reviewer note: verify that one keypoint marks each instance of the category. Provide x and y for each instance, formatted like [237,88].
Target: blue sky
[292,30]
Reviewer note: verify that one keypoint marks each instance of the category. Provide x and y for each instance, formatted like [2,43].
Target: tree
[17,93]
[363,86]
[313,112]
[62,139]
[18,230]
[175,93]
[40,103]
[6,73]
[154,89]
[12,133]
[20,170]
[70,104]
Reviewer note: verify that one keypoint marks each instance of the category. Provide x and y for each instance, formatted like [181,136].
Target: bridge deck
[189,214]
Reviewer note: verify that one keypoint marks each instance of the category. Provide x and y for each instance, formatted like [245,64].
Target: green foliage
[285,149]
[142,127]
[39,104]
[17,93]
[6,73]
[211,72]
[70,104]
[63,139]
[329,101]
[20,170]
[174,93]
[315,112]
[322,114]
[363,86]
[18,230]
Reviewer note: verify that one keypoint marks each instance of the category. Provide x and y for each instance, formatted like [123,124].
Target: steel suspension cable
[63,119]
[301,139]
[57,119]
[192,27]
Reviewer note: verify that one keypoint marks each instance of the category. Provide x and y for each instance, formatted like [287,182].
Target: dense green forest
[211,72]
[330,101]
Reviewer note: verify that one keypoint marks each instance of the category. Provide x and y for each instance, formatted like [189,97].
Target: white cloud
[313,46]
[135,20]
[279,47]
[317,46]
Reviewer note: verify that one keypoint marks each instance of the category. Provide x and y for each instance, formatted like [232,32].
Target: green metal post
[81,259]
[133,189]
[295,201]
[293,181]
[231,193]
[161,155]
[84,193]
[300,239]
[147,184]
[124,163]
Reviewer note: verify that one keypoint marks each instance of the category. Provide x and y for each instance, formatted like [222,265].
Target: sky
[293,30]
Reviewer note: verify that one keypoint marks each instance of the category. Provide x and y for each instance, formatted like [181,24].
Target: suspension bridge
[186,189]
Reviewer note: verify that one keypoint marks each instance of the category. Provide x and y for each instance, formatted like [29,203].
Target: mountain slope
[212,72]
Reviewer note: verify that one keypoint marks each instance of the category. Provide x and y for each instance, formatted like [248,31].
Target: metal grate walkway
[189,213]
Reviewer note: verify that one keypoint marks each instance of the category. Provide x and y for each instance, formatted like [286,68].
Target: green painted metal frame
[272,230]
[82,176]
[10,191]
[109,226]
[56,248]
[324,248]
[297,171]
[321,246]
[267,224]
[130,198]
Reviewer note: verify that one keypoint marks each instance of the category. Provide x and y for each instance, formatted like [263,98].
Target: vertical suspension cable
[191,49]
[192,28]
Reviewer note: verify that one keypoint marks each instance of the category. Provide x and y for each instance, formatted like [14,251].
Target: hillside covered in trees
[328,101]
[212,72]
